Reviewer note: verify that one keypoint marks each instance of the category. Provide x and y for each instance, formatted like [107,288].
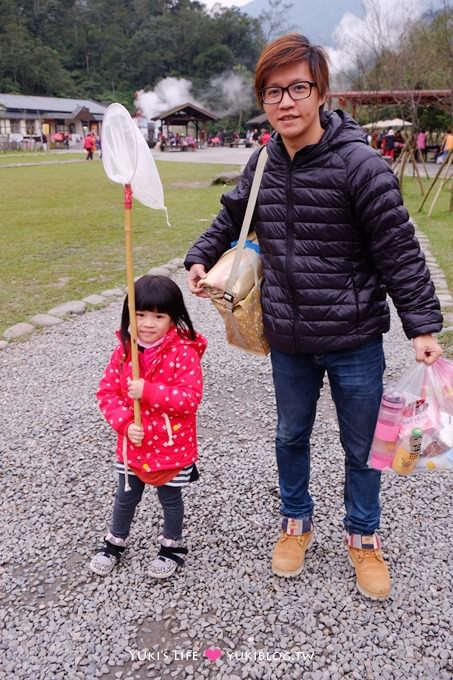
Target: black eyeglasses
[274,95]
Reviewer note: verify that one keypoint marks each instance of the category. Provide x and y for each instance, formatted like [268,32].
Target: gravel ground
[58,620]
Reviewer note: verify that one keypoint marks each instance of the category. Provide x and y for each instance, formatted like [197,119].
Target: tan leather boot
[372,573]
[289,553]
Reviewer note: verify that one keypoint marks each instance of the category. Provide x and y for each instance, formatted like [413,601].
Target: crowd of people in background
[177,141]
[220,138]
[390,143]
[90,143]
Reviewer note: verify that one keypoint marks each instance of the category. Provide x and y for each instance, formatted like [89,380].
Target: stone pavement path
[224,616]
[217,155]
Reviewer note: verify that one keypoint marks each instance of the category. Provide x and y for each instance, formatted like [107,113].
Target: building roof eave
[185,113]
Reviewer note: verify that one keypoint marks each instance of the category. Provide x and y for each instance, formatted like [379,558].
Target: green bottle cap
[417,432]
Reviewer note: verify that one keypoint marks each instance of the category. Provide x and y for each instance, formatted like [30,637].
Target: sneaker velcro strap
[111,549]
[173,553]
[372,542]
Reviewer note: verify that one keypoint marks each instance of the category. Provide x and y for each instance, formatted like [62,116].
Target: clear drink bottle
[408,453]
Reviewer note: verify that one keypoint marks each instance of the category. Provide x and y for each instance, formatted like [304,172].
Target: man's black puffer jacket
[334,238]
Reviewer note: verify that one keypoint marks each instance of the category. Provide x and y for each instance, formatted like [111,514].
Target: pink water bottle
[389,417]
[387,429]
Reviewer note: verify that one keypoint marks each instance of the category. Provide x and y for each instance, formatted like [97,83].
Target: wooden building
[183,116]
[24,120]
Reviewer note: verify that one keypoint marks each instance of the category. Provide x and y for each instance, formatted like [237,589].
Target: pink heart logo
[212,653]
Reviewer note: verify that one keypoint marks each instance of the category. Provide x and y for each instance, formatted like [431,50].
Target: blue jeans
[355,377]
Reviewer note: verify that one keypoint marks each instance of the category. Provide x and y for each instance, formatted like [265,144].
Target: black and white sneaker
[108,555]
[168,559]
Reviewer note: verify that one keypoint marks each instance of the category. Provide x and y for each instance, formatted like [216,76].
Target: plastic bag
[414,429]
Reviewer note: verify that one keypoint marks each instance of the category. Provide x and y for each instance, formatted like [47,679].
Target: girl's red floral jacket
[171,396]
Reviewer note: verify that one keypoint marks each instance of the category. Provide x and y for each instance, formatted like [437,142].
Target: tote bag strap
[228,295]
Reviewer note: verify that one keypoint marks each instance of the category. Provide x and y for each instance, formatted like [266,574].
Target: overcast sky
[354,34]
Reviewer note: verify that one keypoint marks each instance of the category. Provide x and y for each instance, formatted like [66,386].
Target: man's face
[297,121]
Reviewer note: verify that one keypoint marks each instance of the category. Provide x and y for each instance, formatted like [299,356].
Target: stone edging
[58,314]
[440,282]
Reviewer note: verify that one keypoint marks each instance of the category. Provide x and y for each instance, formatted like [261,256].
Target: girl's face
[152,326]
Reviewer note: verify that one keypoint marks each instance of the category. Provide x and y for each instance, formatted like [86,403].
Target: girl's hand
[135,434]
[135,388]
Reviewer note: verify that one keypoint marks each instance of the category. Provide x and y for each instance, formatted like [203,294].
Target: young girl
[163,450]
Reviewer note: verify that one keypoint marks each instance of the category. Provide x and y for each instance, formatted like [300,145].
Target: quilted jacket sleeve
[391,240]
[227,225]
[114,407]
[178,392]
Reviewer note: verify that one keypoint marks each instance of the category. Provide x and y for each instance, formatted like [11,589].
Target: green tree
[274,19]
[213,60]
[94,47]
[242,34]
[419,57]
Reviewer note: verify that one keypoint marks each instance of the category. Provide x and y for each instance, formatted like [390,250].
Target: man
[334,238]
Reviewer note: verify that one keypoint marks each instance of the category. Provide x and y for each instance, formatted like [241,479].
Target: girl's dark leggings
[170,497]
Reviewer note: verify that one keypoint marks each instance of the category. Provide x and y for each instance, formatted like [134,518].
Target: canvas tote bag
[234,282]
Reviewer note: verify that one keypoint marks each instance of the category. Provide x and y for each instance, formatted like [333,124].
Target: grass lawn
[31,157]
[62,230]
[439,230]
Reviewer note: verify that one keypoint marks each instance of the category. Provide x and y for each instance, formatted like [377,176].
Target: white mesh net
[119,145]
[127,158]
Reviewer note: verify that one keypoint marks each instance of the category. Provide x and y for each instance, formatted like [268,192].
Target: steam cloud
[236,92]
[168,93]
[383,23]
[227,94]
